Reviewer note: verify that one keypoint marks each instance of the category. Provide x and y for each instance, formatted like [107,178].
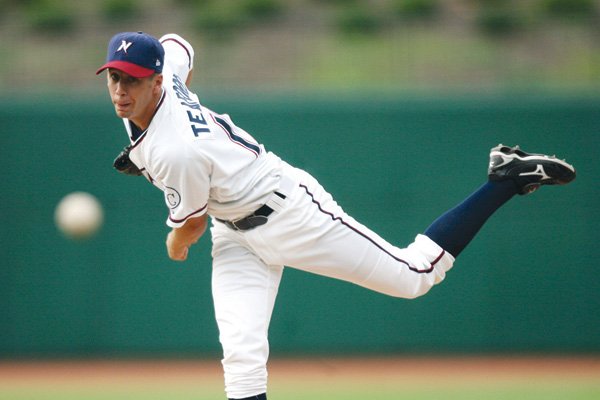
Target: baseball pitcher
[266,214]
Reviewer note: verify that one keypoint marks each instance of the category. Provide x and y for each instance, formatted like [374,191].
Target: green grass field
[342,390]
[419,379]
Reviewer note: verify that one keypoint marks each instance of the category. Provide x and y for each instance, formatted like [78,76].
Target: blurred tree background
[474,46]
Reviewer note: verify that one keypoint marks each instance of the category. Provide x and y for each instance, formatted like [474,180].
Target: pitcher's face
[134,98]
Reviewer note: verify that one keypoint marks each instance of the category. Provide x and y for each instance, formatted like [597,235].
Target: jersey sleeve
[186,180]
[179,55]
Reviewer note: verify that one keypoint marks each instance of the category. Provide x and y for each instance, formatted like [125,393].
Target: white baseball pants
[310,232]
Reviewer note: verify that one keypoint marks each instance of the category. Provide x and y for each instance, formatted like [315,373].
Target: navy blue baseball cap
[135,53]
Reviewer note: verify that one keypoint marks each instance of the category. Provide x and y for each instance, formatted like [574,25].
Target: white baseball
[79,215]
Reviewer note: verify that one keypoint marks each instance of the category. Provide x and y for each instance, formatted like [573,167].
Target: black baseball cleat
[529,171]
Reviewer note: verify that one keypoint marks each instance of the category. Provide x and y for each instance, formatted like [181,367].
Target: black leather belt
[257,218]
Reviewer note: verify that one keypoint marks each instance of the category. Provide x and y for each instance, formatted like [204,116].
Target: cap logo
[124,46]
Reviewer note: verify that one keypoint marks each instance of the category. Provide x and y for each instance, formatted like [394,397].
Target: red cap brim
[130,69]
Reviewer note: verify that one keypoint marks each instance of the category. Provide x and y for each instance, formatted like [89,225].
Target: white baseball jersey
[231,173]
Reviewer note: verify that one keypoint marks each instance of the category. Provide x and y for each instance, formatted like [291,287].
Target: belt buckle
[231,225]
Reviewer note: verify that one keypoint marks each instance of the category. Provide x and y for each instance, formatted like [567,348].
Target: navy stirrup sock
[457,227]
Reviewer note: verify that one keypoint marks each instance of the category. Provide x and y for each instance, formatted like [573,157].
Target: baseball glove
[124,165]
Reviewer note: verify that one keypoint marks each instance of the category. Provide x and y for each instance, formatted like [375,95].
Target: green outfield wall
[528,283]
